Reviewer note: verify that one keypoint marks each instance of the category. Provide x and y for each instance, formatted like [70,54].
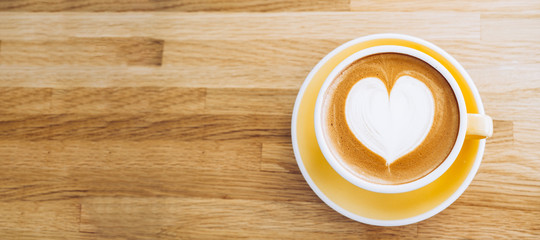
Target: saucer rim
[353,216]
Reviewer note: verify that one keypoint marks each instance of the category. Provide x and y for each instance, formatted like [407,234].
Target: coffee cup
[392,119]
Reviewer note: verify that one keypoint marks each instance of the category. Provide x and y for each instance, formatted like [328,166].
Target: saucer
[370,207]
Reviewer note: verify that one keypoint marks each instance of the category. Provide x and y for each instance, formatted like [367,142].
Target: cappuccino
[390,118]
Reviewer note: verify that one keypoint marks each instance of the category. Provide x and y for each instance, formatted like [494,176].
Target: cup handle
[479,126]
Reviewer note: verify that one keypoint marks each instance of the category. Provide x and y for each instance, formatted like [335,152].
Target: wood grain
[127,100]
[83,52]
[187,217]
[504,224]
[171,119]
[41,220]
[236,26]
[260,52]
[452,5]
[173,5]
[246,101]
[278,157]
[494,23]
[137,127]
[288,77]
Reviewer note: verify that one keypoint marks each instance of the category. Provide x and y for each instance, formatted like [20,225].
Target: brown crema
[366,164]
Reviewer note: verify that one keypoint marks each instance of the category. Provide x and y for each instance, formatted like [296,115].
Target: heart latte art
[390,118]
[390,125]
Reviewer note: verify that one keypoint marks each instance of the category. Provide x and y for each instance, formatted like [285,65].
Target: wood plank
[499,86]
[250,101]
[488,222]
[128,100]
[138,127]
[275,128]
[138,100]
[33,184]
[48,170]
[260,52]
[219,218]
[102,100]
[208,183]
[183,156]
[500,79]
[304,52]
[132,51]
[287,77]
[126,156]
[173,5]
[307,52]
[237,26]
[503,160]
[493,53]
[506,106]
[453,5]
[41,220]
[106,126]
[519,195]
[515,26]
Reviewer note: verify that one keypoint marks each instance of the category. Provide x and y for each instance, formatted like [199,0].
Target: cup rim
[397,188]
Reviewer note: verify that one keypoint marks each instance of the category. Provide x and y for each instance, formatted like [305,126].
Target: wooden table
[146,120]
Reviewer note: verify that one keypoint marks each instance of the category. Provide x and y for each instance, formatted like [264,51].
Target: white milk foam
[391,126]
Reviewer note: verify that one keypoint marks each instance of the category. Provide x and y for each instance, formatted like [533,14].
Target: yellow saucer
[371,207]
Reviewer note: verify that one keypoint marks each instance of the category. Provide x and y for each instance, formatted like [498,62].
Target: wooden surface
[170,119]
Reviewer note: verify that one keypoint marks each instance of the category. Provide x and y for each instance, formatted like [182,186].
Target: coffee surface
[431,105]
